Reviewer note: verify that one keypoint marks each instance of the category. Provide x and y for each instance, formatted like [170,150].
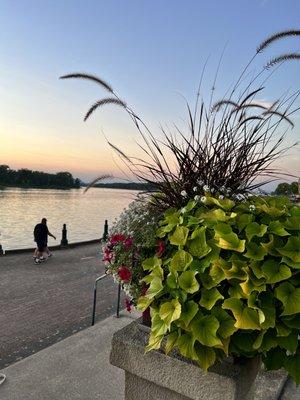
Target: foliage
[132,239]
[230,142]
[228,282]
[225,279]
[27,178]
[284,189]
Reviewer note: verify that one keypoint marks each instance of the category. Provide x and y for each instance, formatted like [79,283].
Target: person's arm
[50,234]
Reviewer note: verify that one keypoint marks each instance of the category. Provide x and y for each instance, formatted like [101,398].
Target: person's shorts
[41,245]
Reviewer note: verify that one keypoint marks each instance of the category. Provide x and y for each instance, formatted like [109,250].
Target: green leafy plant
[228,282]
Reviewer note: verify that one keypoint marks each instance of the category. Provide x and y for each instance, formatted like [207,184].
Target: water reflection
[84,213]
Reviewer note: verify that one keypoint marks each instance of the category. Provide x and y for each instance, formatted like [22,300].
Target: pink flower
[124,274]
[117,238]
[128,242]
[128,305]
[160,248]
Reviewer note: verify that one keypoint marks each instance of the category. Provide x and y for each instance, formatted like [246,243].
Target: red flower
[108,255]
[124,274]
[160,248]
[117,238]
[128,242]
[128,305]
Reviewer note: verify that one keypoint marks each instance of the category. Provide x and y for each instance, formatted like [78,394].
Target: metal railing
[100,278]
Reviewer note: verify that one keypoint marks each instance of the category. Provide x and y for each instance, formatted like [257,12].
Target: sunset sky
[149,51]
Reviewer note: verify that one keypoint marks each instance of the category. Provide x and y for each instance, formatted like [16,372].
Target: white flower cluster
[138,222]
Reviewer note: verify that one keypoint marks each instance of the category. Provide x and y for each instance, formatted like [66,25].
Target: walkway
[42,304]
[78,368]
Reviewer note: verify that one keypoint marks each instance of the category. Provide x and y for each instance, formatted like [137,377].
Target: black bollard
[1,251]
[64,240]
[105,233]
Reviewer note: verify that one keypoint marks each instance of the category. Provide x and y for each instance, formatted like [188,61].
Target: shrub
[229,281]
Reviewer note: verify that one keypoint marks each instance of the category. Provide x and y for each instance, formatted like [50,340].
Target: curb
[58,247]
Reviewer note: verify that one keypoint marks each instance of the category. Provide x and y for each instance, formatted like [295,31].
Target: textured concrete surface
[184,378]
[43,304]
[78,368]
[75,368]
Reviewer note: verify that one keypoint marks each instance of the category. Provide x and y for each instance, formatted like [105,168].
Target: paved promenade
[78,368]
[42,304]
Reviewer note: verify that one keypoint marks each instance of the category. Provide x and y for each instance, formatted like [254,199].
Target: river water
[84,213]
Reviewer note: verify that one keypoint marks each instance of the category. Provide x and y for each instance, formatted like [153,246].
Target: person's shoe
[37,261]
[42,259]
[49,255]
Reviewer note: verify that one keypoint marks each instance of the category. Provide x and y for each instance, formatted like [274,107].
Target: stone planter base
[156,376]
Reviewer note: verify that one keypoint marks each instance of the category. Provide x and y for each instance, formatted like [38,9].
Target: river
[84,213]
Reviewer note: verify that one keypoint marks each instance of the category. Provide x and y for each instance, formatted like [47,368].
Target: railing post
[94,303]
[64,240]
[119,298]
[105,233]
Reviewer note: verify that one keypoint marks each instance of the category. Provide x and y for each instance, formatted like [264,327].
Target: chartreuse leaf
[215,216]
[143,303]
[290,298]
[237,269]
[277,228]
[236,291]
[274,359]
[190,205]
[155,287]
[292,248]
[204,329]
[170,311]
[267,305]
[289,342]
[254,229]
[275,272]
[154,342]
[188,312]
[272,211]
[292,321]
[282,330]
[171,341]
[228,240]
[243,220]
[158,330]
[216,271]
[272,246]
[257,270]
[151,263]
[188,282]
[197,244]
[290,263]
[292,223]
[180,261]
[246,317]
[185,344]
[205,356]
[226,204]
[255,252]
[209,297]
[226,328]
[252,284]
[258,341]
[179,236]
[172,280]
[292,365]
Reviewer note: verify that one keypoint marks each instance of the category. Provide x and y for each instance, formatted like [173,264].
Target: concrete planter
[157,376]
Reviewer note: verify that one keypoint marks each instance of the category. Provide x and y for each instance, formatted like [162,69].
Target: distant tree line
[128,185]
[287,189]
[36,179]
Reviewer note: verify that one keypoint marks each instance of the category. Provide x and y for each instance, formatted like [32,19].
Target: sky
[151,52]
